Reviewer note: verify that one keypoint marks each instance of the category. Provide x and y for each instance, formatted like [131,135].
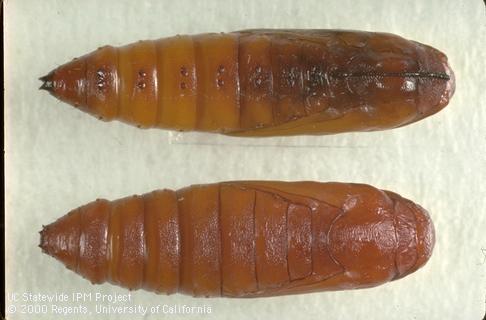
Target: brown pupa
[260,82]
[245,239]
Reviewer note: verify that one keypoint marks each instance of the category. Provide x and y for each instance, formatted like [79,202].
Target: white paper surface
[58,158]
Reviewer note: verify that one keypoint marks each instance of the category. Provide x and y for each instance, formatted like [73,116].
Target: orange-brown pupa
[260,82]
[245,239]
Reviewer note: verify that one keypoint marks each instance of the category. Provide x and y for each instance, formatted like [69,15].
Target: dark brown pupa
[260,82]
[245,239]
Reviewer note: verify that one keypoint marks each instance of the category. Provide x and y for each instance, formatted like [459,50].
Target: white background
[58,158]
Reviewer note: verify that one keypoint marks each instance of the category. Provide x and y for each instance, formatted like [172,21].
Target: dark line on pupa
[433,75]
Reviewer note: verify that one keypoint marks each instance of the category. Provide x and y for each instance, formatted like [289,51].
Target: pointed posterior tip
[43,240]
[61,239]
[47,84]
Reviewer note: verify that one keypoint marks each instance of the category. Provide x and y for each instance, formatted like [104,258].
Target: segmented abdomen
[215,82]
